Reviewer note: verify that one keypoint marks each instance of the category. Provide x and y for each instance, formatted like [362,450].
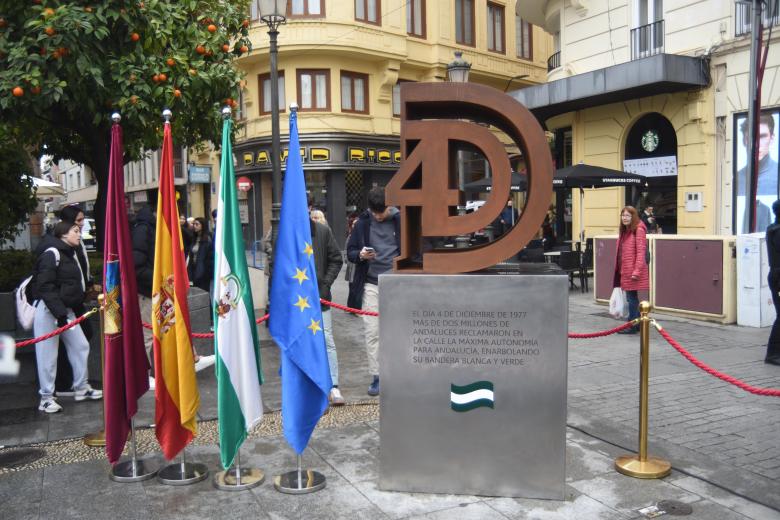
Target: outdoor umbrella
[44,188]
[586,176]
[519,183]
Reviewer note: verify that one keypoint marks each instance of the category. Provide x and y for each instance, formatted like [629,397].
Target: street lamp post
[272,12]
[458,72]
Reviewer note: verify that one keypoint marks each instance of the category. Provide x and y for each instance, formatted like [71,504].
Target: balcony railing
[743,16]
[647,40]
[554,61]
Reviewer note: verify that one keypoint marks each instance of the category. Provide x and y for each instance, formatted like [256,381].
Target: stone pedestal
[473,378]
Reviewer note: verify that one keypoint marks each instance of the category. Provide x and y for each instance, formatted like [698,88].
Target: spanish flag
[176,391]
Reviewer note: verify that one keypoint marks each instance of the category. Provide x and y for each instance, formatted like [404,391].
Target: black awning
[659,74]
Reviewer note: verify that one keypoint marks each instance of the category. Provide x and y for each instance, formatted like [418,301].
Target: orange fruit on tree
[176,92]
[3,23]
[48,12]
[163,78]
[245,24]
[134,99]
[226,48]
[200,49]
[50,31]
[56,54]
[244,49]
[170,62]
[88,9]
[132,78]
[212,28]
[135,36]
[156,78]
[193,72]
[18,91]
[35,90]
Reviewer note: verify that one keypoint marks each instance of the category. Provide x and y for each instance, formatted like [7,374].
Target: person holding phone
[372,245]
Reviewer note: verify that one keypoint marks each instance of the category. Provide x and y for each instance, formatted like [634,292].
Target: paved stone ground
[722,441]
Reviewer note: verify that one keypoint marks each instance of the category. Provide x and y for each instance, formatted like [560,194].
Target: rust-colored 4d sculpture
[435,118]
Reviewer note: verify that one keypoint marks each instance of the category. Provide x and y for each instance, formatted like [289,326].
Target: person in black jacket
[773,254]
[142,234]
[59,290]
[64,384]
[328,262]
[201,264]
[374,242]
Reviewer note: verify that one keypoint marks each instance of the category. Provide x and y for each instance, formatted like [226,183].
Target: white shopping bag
[618,305]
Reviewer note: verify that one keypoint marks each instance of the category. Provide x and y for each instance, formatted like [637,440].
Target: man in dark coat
[773,252]
[143,231]
[328,262]
[374,242]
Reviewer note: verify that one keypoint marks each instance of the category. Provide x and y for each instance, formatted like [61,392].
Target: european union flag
[296,319]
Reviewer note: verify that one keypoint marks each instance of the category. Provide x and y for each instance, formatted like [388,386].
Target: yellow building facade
[659,87]
[342,62]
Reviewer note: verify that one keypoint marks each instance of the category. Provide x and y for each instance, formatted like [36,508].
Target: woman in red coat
[631,273]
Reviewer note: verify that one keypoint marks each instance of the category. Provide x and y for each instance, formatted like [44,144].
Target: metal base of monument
[96,439]
[651,468]
[247,479]
[133,470]
[299,482]
[183,473]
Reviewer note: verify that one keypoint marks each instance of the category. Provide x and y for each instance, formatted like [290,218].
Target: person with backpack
[59,290]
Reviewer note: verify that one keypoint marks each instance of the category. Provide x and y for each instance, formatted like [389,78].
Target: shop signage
[652,166]
[336,154]
[199,173]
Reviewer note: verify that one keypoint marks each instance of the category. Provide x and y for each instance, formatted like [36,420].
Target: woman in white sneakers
[59,290]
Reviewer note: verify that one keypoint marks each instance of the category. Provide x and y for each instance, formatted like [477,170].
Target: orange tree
[65,66]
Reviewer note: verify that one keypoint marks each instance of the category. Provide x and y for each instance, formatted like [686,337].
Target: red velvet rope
[720,375]
[603,333]
[57,331]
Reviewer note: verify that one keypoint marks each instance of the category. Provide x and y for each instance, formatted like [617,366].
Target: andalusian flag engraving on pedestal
[467,397]
[176,390]
[238,367]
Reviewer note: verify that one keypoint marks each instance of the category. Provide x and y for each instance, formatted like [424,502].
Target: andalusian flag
[238,369]
[176,390]
[296,318]
[126,368]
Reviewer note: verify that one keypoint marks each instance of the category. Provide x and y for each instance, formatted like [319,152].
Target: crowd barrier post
[642,465]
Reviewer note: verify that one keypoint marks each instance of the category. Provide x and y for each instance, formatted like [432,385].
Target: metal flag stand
[239,478]
[299,481]
[183,473]
[98,439]
[133,470]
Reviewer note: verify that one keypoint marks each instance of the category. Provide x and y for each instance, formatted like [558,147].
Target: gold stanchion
[98,439]
[642,466]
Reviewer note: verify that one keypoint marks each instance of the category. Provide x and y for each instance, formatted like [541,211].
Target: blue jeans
[633,304]
[333,359]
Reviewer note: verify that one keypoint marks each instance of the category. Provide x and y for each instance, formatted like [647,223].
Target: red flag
[125,376]
[176,390]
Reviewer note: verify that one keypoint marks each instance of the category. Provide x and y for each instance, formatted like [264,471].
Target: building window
[415,18]
[523,39]
[314,89]
[464,22]
[264,80]
[368,11]
[241,110]
[495,27]
[305,8]
[397,97]
[354,92]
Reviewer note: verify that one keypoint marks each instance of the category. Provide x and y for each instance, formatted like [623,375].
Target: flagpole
[240,478]
[133,470]
[184,472]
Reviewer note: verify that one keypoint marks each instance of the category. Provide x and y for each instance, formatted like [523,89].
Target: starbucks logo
[650,141]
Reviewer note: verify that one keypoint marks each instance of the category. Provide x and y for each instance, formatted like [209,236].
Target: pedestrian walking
[773,252]
[59,291]
[631,272]
[143,233]
[373,243]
